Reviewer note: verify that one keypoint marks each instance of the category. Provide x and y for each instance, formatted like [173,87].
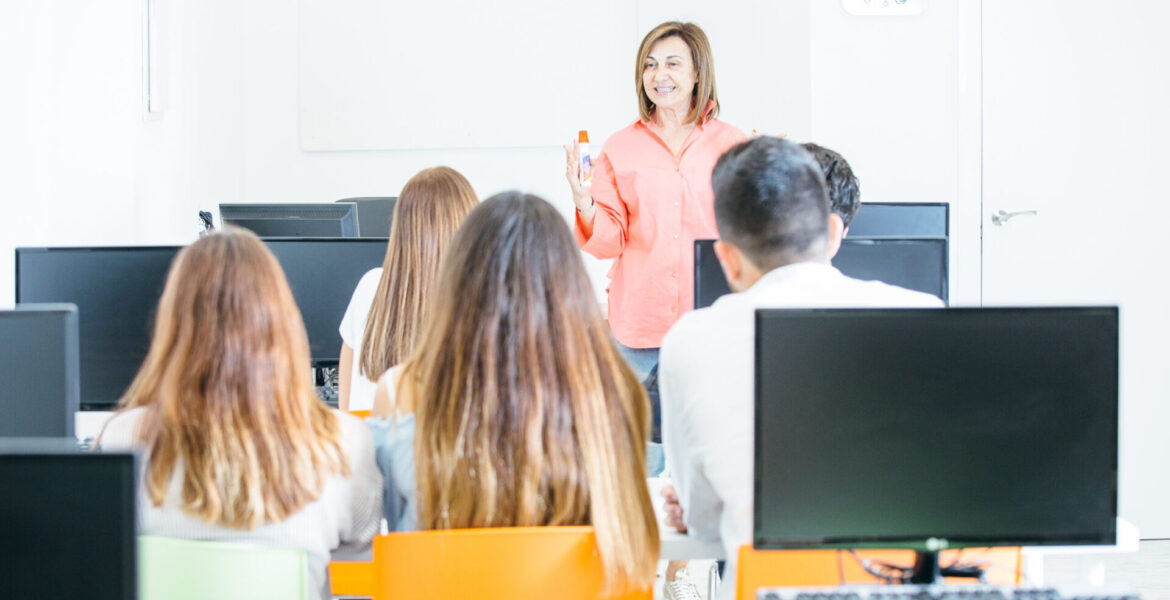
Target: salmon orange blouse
[651,206]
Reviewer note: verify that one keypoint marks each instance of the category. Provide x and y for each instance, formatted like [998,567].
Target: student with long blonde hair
[517,408]
[236,446]
[389,305]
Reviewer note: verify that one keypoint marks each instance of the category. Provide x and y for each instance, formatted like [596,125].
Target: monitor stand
[926,569]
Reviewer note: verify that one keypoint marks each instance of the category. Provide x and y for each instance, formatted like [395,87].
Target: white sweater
[347,512]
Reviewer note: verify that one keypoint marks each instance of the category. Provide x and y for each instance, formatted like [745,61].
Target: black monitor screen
[68,525]
[39,370]
[710,282]
[918,264]
[901,219]
[976,426]
[323,274]
[915,264]
[116,291]
[293,220]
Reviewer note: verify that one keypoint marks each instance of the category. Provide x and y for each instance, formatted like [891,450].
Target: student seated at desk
[236,446]
[773,215]
[517,409]
[388,309]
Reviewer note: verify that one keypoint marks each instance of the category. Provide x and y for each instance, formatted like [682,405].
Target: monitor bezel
[72,347]
[1106,537]
[55,450]
[346,213]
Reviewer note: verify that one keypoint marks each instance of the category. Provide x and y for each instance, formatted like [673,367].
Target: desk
[680,546]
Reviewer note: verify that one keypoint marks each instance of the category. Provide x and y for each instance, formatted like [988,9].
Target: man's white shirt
[707,390]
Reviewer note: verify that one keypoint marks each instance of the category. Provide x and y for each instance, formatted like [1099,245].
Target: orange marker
[586,170]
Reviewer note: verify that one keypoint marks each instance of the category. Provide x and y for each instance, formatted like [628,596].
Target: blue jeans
[641,360]
[655,459]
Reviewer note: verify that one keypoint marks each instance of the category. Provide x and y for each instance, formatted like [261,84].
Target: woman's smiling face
[668,75]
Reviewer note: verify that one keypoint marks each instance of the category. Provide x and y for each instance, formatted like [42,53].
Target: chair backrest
[491,564]
[766,568]
[177,569]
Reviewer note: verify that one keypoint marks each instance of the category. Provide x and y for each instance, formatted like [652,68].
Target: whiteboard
[392,75]
[459,74]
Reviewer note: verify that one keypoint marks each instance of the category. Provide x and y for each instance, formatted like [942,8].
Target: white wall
[69,113]
[82,166]
[899,98]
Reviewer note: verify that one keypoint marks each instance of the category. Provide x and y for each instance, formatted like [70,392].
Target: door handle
[999,218]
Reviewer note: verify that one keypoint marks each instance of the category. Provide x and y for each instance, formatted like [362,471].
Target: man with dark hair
[844,191]
[772,212]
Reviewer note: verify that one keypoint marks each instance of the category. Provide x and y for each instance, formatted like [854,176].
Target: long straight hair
[525,413]
[227,393]
[428,211]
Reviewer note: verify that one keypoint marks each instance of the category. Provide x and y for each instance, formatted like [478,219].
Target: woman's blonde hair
[227,393]
[525,413]
[704,92]
[428,211]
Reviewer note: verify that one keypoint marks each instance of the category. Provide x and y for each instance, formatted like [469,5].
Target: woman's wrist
[582,207]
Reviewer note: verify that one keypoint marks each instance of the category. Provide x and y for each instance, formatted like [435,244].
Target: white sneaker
[681,588]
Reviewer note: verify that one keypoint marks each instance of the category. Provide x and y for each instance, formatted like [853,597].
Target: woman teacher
[651,194]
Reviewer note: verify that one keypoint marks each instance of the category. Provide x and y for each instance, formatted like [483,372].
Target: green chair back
[177,569]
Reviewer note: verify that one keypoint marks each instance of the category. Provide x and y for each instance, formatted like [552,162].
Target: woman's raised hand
[581,196]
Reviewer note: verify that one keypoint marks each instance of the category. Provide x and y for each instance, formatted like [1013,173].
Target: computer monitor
[901,219]
[375,215]
[710,282]
[330,219]
[918,264]
[116,290]
[68,522]
[39,370]
[323,274]
[933,428]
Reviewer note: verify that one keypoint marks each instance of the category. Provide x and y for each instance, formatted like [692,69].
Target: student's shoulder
[354,432]
[122,430]
[704,324]
[885,294]
[370,280]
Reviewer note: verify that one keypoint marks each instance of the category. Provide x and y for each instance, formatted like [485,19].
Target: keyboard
[942,592]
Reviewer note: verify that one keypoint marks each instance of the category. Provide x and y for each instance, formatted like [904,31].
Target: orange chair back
[765,568]
[491,564]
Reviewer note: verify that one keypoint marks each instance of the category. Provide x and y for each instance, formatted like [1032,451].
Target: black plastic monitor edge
[63,447]
[919,543]
[342,210]
[926,558]
[946,206]
[17,251]
[315,364]
[73,365]
[946,282]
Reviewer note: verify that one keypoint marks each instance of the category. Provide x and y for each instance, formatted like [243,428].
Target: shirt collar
[703,119]
[795,271]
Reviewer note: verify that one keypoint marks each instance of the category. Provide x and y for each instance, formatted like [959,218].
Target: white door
[1076,96]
